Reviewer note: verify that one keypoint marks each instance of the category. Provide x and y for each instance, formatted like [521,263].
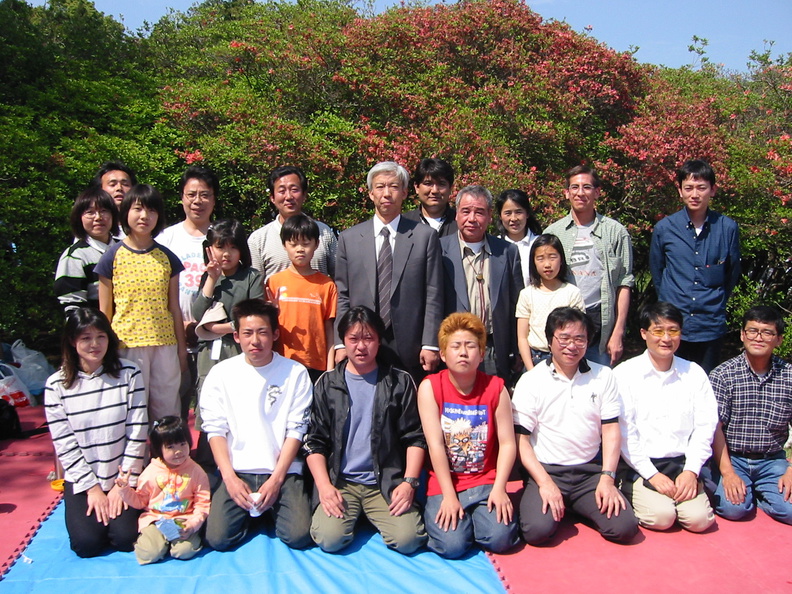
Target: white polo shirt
[565,416]
[666,413]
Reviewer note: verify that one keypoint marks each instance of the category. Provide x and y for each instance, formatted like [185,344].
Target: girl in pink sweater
[173,491]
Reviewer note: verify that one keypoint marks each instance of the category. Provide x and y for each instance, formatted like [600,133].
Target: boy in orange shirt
[306,299]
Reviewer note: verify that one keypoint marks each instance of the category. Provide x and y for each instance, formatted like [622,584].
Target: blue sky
[662,29]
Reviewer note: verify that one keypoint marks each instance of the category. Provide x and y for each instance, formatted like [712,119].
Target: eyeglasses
[660,332]
[92,213]
[754,332]
[585,187]
[193,196]
[565,340]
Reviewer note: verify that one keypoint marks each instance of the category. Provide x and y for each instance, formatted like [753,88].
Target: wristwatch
[609,473]
[412,481]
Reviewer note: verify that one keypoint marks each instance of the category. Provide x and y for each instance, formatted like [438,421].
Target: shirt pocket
[713,275]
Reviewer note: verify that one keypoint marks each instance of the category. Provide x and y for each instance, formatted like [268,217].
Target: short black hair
[109,166]
[583,170]
[149,197]
[765,314]
[283,171]
[299,226]
[255,307]
[696,169]
[546,239]
[562,316]
[361,315]
[228,232]
[205,175]
[435,168]
[93,197]
[661,310]
[168,430]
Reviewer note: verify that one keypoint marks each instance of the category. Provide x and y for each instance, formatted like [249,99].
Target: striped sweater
[76,285]
[99,423]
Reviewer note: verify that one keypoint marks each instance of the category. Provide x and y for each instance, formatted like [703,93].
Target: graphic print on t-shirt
[465,429]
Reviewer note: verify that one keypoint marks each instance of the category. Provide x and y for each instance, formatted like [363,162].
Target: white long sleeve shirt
[665,413]
[256,409]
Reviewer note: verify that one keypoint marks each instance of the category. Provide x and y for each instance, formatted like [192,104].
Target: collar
[97,373]
[476,247]
[570,221]
[99,245]
[393,226]
[649,368]
[583,366]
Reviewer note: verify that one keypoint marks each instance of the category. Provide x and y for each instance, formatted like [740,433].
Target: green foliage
[243,86]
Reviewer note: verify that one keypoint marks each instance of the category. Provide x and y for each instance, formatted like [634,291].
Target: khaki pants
[404,533]
[151,546]
[659,512]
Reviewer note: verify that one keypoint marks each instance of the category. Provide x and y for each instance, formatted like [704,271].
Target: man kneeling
[365,447]
[255,409]
[669,418]
[564,410]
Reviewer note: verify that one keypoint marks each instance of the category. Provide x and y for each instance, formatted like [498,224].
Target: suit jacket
[417,291]
[449,226]
[506,282]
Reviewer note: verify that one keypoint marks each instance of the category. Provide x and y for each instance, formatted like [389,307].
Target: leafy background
[242,87]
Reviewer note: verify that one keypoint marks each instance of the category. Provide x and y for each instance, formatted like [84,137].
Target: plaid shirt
[755,411]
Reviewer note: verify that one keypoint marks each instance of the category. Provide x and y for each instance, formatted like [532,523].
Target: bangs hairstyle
[207,176]
[462,322]
[520,198]
[109,166]
[765,314]
[78,321]
[228,232]
[696,169]
[149,197]
[93,197]
[256,307]
[563,316]
[546,239]
[365,317]
[661,310]
[435,169]
[168,430]
[298,227]
[283,171]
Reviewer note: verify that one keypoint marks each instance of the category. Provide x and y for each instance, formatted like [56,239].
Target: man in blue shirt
[695,264]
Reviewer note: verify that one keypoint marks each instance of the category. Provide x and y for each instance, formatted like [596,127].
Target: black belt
[759,455]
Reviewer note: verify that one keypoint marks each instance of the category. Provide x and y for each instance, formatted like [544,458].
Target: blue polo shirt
[696,273]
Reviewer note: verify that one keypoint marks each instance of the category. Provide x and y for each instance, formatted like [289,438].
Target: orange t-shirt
[305,303]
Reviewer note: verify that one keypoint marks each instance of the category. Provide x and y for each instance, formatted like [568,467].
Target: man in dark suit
[482,275]
[433,181]
[392,265]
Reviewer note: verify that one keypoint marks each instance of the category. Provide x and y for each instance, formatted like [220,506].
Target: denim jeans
[761,482]
[477,525]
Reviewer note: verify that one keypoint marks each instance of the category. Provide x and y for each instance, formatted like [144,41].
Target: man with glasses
[599,253]
[565,411]
[198,190]
[667,424]
[754,393]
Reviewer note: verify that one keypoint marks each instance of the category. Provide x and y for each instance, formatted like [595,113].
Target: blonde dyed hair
[462,322]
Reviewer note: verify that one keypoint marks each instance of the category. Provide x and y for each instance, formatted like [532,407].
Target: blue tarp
[263,564]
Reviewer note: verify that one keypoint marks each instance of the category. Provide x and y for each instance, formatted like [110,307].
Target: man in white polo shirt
[564,410]
[669,417]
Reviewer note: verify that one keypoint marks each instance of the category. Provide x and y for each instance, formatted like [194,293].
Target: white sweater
[256,409]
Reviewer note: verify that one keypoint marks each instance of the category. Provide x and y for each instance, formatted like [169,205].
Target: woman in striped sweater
[96,410]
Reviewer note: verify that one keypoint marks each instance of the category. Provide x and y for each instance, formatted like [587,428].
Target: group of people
[407,334]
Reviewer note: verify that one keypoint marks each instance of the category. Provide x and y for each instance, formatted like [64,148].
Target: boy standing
[255,410]
[306,299]
[695,264]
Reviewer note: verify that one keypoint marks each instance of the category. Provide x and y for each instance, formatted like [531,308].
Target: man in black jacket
[365,447]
